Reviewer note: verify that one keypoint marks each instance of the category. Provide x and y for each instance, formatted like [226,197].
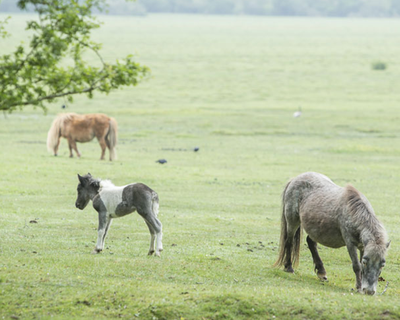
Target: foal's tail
[54,133]
[154,203]
[284,242]
[112,138]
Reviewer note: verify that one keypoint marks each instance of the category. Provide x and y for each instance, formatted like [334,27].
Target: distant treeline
[329,8]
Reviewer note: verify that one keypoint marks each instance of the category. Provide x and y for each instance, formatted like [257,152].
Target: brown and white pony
[83,128]
[334,217]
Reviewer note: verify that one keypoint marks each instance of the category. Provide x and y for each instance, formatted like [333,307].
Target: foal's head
[88,187]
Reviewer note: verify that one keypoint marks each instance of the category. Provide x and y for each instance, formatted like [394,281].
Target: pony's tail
[284,242]
[112,138]
[54,134]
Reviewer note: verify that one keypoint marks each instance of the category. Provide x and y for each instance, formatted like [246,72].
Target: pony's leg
[104,224]
[356,264]
[70,149]
[57,145]
[152,238]
[103,146]
[72,145]
[319,266]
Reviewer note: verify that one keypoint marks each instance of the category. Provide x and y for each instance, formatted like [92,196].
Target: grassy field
[228,85]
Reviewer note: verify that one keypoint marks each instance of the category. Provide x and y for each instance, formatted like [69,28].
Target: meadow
[228,85]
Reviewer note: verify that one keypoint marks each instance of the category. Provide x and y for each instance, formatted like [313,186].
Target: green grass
[228,85]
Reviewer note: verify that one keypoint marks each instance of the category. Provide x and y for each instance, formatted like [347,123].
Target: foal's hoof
[150,253]
[96,251]
[157,254]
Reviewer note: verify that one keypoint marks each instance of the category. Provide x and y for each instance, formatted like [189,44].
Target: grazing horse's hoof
[322,276]
[150,253]
[96,251]
[157,254]
[289,269]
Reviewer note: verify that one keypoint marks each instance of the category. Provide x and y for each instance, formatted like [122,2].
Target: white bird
[297,113]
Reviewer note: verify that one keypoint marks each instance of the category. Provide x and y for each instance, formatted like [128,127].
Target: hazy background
[329,8]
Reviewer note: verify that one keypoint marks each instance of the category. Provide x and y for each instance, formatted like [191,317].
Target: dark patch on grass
[84,302]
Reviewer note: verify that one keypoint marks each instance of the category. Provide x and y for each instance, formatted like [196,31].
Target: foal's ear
[81,179]
[388,244]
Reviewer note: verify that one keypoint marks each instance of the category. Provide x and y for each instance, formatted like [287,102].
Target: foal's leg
[152,238]
[319,266]
[156,228]
[106,230]
[104,224]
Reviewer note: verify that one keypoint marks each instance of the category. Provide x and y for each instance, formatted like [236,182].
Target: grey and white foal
[111,202]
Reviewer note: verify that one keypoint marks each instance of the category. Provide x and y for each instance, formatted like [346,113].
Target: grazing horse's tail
[112,138]
[284,242]
[55,131]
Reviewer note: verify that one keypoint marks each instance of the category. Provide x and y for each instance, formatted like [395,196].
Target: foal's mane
[104,184]
[363,215]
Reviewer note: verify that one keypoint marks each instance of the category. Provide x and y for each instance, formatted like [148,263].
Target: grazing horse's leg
[104,224]
[152,239]
[103,146]
[288,248]
[292,236]
[319,266]
[361,255]
[356,264]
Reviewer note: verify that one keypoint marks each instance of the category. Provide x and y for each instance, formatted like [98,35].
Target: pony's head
[88,187]
[372,263]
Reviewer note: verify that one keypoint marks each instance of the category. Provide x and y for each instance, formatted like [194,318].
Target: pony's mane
[364,216]
[67,116]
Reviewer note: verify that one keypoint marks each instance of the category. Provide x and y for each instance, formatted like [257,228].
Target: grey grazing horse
[114,202]
[334,217]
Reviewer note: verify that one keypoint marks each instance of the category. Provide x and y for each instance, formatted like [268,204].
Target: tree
[52,65]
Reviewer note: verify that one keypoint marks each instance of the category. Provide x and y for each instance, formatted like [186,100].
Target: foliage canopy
[52,65]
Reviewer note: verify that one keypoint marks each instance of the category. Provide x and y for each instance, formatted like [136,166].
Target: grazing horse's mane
[362,213]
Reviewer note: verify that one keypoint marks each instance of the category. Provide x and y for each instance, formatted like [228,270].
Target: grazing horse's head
[372,263]
[88,187]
